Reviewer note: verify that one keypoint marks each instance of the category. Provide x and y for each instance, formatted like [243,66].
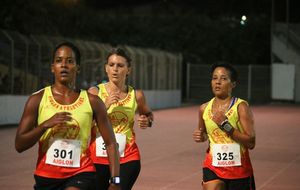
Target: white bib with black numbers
[226,155]
[101,149]
[65,153]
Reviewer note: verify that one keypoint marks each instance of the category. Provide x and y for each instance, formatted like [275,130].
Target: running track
[172,161]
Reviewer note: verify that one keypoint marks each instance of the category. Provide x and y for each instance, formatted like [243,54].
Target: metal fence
[25,64]
[253,83]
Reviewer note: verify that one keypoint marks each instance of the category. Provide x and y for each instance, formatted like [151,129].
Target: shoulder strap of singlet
[232,102]
[97,86]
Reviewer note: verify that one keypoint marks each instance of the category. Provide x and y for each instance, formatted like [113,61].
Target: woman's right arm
[27,134]
[200,134]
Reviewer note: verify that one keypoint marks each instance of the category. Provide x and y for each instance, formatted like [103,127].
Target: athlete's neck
[112,87]
[63,90]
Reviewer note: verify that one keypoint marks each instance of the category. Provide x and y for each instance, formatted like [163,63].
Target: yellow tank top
[121,115]
[217,136]
[79,128]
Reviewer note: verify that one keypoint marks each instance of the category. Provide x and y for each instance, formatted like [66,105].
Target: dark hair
[119,52]
[228,67]
[74,49]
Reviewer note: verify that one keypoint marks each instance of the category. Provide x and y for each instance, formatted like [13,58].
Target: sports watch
[115,180]
[150,122]
[226,126]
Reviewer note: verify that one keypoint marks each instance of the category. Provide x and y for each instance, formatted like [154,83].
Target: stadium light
[243,20]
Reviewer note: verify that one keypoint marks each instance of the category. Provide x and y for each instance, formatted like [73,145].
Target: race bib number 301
[65,153]
[226,155]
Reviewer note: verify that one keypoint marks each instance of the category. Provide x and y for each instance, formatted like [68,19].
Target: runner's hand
[143,122]
[219,117]
[199,135]
[112,99]
[57,119]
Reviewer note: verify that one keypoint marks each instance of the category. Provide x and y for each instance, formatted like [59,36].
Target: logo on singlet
[70,130]
[118,118]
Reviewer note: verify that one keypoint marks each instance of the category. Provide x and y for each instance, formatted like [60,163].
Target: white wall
[163,98]
[288,55]
[283,81]
[11,107]
[297,82]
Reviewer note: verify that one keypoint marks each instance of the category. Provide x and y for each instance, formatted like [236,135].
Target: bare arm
[93,90]
[200,134]
[145,114]
[111,99]
[247,138]
[107,133]
[28,133]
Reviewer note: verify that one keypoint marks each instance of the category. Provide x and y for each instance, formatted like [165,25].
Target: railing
[290,34]
[253,83]
[25,64]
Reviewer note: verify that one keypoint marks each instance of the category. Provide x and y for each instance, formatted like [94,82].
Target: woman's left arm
[105,128]
[247,138]
[146,117]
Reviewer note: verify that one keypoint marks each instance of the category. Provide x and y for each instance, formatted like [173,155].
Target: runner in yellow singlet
[227,122]
[59,118]
[121,101]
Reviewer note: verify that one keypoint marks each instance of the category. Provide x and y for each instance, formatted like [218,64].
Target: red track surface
[172,161]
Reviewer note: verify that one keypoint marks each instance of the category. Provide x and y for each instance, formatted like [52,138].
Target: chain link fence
[254,83]
[25,64]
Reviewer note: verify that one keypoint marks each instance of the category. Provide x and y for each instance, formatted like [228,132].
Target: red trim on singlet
[131,153]
[235,172]
[47,170]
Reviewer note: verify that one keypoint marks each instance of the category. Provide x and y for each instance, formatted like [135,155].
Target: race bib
[65,153]
[226,155]
[101,149]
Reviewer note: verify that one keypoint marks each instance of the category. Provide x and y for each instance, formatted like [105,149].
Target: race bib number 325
[225,155]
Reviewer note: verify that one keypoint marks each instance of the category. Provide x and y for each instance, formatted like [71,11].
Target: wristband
[150,118]
[150,123]
[43,128]
[226,126]
[116,180]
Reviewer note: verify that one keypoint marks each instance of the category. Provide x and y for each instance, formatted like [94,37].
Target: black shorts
[247,183]
[83,181]
[129,172]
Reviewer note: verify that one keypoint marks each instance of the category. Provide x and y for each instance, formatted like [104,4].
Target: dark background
[204,31]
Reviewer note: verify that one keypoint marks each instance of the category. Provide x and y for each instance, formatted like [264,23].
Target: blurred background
[172,43]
